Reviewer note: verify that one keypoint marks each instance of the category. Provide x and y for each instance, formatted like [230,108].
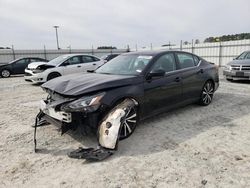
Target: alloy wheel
[128,124]
[207,93]
[5,73]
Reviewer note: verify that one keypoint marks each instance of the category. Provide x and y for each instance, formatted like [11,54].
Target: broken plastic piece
[91,154]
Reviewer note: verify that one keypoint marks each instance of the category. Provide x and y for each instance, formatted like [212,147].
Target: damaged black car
[114,98]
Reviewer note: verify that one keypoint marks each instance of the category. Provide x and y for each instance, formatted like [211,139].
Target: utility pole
[56,27]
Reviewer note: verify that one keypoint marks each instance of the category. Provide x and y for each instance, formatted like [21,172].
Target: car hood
[3,64]
[84,83]
[35,65]
[240,62]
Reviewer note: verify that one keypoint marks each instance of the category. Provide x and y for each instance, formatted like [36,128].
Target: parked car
[108,57]
[62,65]
[18,66]
[239,68]
[129,88]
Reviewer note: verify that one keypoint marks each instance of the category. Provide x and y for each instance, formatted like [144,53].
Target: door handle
[177,79]
[78,66]
[93,64]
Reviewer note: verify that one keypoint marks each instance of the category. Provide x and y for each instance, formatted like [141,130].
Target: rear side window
[87,59]
[185,60]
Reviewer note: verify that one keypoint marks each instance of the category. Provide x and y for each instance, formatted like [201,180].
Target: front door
[163,92]
[19,66]
[72,65]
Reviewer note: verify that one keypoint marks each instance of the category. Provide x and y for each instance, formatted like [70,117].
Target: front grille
[27,74]
[240,67]
[235,67]
[245,67]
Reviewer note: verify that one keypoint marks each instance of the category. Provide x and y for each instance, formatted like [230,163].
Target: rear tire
[53,75]
[5,73]
[207,93]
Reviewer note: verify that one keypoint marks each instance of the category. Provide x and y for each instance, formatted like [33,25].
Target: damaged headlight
[90,103]
[37,71]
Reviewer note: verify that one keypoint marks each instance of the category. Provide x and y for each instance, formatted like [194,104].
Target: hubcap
[129,123]
[207,93]
[5,73]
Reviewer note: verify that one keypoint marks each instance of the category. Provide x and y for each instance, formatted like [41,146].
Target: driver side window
[22,61]
[74,60]
[166,62]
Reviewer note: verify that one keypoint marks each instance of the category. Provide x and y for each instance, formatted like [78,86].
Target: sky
[28,24]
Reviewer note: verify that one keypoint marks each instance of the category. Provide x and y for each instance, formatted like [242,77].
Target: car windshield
[242,56]
[128,64]
[57,61]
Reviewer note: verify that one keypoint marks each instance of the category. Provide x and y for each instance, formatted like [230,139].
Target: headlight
[228,67]
[90,103]
[37,71]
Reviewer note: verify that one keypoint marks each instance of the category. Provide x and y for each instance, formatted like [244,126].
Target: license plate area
[59,115]
[240,74]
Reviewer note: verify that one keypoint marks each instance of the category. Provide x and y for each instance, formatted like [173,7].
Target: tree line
[223,38]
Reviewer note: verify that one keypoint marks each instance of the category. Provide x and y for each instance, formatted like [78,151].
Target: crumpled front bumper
[68,120]
[35,78]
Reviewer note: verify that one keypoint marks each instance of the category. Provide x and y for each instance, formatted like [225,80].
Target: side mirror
[66,63]
[156,73]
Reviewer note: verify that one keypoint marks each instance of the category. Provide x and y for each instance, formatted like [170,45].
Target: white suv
[62,65]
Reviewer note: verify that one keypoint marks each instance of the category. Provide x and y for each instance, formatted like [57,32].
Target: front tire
[5,73]
[207,93]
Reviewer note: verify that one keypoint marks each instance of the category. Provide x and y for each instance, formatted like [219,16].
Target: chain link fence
[219,53]
[7,55]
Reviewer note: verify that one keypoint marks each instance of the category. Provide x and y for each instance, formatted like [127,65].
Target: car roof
[153,52]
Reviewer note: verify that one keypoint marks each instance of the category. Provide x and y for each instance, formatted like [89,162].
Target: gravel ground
[189,147]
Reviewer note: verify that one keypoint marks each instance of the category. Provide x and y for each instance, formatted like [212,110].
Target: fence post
[181,46]
[151,46]
[92,51]
[128,50]
[13,52]
[220,54]
[192,45]
[44,51]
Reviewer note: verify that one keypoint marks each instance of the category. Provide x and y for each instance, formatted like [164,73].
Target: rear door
[90,63]
[192,75]
[162,93]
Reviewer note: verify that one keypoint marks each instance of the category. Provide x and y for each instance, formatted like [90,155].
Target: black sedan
[129,88]
[18,66]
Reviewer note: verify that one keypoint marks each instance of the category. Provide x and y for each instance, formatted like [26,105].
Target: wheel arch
[54,72]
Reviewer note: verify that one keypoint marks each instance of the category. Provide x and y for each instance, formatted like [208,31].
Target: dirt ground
[189,147]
